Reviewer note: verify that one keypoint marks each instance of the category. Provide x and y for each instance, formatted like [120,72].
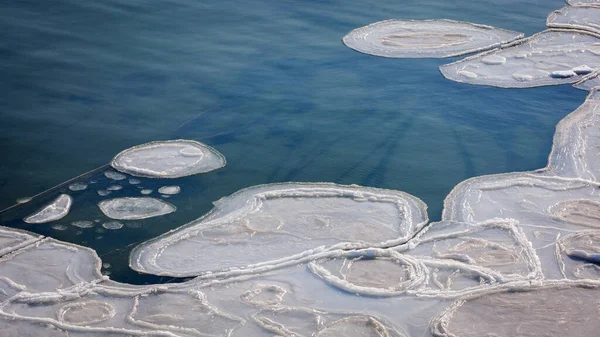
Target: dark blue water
[267,83]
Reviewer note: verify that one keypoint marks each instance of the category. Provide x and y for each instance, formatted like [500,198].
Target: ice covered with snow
[584,18]
[47,265]
[13,239]
[135,208]
[168,159]
[577,138]
[56,210]
[552,57]
[588,82]
[77,300]
[426,38]
[584,3]
[553,310]
[292,220]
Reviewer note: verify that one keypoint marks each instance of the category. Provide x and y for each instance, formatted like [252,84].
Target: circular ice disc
[551,57]
[426,38]
[135,208]
[168,159]
[113,225]
[169,190]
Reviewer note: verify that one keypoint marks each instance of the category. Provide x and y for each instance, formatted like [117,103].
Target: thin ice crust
[56,210]
[552,57]
[278,223]
[168,159]
[426,38]
[583,18]
[48,265]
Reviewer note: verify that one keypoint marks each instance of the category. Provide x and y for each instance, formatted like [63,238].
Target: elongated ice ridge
[426,38]
[282,222]
[552,57]
[70,297]
[46,265]
[583,18]
[576,142]
[56,210]
[552,311]
[168,159]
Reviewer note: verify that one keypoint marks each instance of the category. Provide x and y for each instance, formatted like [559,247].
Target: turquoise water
[268,84]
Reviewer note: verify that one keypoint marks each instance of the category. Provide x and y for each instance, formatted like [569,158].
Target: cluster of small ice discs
[515,254]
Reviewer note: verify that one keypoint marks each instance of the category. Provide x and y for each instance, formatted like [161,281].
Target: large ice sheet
[450,260]
[200,317]
[292,302]
[278,223]
[56,210]
[13,328]
[579,255]
[497,247]
[48,265]
[548,205]
[88,310]
[12,239]
[285,302]
[576,142]
[135,208]
[546,208]
[168,159]
[584,18]
[554,310]
[584,3]
[426,38]
[552,57]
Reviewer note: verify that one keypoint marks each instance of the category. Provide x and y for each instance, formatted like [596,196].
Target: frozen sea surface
[272,87]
